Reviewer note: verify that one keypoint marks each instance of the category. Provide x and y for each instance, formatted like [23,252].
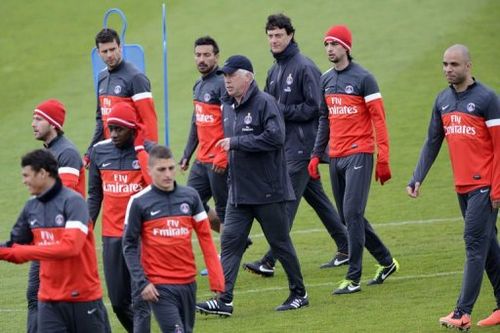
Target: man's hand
[184,164]
[382,172]
[218,169]
[223,143]
[150,294]
[312,168]
[413,191]
[495,203]
[86,161]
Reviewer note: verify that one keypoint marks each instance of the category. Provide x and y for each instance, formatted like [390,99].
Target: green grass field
[45,47]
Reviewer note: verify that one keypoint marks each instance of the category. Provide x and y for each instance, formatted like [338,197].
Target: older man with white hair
[259,185]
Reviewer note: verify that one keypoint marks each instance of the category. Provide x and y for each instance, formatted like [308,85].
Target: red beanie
[340,34]
[53,111]
[124,115]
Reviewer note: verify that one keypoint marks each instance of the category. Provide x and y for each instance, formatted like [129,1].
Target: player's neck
[462,86]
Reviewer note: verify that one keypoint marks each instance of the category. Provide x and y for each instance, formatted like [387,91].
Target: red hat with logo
[53,111]
[340,34]
[124,115]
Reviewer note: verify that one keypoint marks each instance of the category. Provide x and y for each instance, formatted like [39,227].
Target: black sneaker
[215,307]
[294,302]
[248,243]
[259,267]
[347,287]
[383,273]
[338,260]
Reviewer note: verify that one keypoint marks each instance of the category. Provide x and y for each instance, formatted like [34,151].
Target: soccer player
[293,80]
[121,82]
[159,222]
[54,228]
[352,122]
[47,123]
[467,114]
[259,184]
[118,170]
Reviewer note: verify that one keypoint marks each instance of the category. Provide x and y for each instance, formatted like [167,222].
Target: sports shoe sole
[461,329]
[213,312]
[258,272]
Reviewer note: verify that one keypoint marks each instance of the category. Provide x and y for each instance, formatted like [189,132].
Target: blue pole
[165,78]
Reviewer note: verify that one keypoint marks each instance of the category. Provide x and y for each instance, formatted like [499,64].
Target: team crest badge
[184,208]
[471,107]
[117,90]
[248,119]
[59,220]
[207,97]
[289,79]
[135,164]
[349,89]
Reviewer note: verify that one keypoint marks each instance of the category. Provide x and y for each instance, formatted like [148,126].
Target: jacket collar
[291,50]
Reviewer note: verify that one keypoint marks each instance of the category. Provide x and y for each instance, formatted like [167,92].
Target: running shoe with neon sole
[338,260]
[492,320]
[457,320]
[293,302]
[383,272]
[347,287]
[262,268]
[215,307]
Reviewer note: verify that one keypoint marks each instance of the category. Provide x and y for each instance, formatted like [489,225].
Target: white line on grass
[263,290]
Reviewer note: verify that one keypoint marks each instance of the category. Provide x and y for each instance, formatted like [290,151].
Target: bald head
[461,50]
[457,67]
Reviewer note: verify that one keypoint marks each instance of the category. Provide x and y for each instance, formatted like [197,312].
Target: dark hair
[280,21]
[41,159]
[106,35]
[207,40]
[159,152]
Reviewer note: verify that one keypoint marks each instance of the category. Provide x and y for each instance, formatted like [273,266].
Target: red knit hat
[340,34]
[53,111]
[123,114]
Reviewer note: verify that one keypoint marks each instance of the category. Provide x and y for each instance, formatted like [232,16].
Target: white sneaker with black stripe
[215,307]
[294,302]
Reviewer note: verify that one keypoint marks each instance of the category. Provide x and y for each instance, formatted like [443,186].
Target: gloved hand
[140,136]
[382,172]
[312,168]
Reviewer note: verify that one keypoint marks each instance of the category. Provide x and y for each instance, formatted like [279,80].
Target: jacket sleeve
[375,106]
[21,232]
[95,194]
[323,135]
[212,262]
[70,165]
[99,128]
[271,138]
[143,157]
[192,141]
[144,104]
[308,109]
[430,150]
[70,244]
[130,242]
[493,125]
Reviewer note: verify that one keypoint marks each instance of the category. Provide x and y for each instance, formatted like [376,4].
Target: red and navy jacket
[470,122]
[206,125]
[125,83]
[115,174]
[293,80]
[54,228]
[257,165]
[157,242]
[71,169]
[352,117]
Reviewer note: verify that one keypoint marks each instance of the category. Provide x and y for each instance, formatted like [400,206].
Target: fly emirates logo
[201,117]
[336,107]
[47,238]
[120,184]
[456,127]
[172,229]
[106,106]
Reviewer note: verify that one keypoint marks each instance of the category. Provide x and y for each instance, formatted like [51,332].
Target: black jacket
[257,166]
[294,81]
